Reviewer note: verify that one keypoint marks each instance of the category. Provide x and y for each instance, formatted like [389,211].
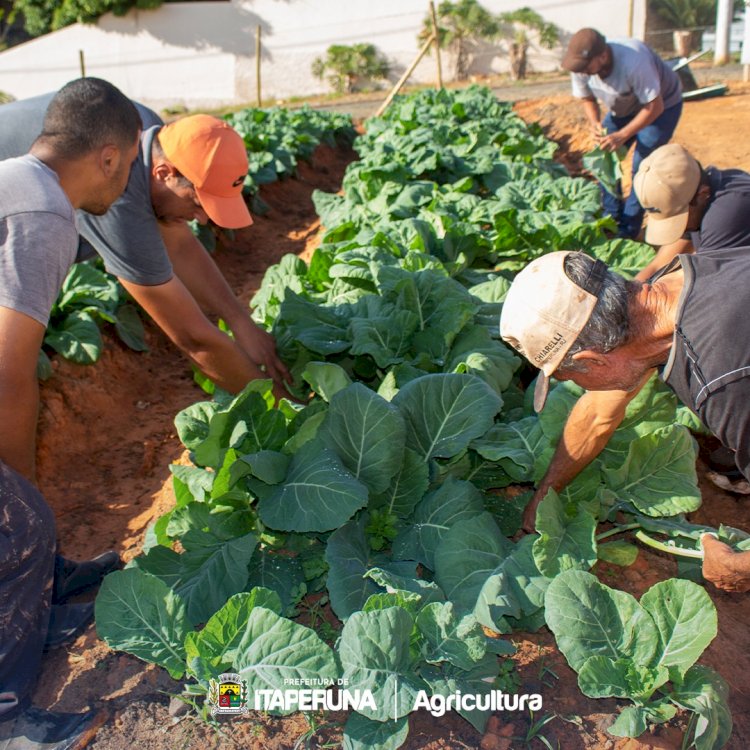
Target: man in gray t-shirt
[145,241]
[643,96]
[81,160]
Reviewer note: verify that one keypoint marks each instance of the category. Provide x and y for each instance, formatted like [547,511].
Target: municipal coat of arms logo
[227,695]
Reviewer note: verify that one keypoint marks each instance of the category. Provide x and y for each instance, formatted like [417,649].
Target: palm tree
[461,26]
[518,24]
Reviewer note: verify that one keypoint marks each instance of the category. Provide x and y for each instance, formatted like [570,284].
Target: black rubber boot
[38,729]
[66,622]
[74,577]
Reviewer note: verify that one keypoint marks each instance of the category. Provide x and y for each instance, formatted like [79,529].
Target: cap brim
[666,231]
[574,63]
[541,389]
[228,213]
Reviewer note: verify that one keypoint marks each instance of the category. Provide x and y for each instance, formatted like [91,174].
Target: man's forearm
[585,435]
[663,256]
[592,112]
[19,407]
[645,117]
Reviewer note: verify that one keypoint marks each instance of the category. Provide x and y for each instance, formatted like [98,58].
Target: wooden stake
[82,63]
[257,64]
[437,45]
[405,76]
[630,17]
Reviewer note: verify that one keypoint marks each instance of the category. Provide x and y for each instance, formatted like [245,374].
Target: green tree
[43,16]
[689,14]
[348,68]
[462,26]
[517,25]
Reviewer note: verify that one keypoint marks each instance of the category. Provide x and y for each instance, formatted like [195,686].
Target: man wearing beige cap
[193,168]
[643,96]
[576,320]
[690,209]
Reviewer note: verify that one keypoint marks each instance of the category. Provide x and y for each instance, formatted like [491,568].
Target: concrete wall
[202,54]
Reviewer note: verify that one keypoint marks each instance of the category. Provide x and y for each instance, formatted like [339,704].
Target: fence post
[82,63]
[436,32]
[401,81]
[257,64]
[723,26]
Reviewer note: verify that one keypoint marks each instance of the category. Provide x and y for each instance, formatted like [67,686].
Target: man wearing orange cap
[643,96]
[689,208]
[573,318]
[193,168]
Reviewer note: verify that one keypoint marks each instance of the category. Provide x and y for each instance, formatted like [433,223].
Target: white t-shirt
[638,76]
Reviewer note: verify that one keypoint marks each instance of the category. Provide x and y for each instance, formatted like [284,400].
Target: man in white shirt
[643,96]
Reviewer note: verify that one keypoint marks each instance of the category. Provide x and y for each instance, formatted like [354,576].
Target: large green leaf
[589,619]
[459,640]
[367,433]
[407,486]
[213,650]
[444,413]
[78,338]
[274,652]
[348,557]
[361,733]
[706,693]
[326,378]
[279,573]
[564,542]
[138,613]
[470,553]
[658,475]
[205,575]
[319,494]
[374,655]
[685,619]
[451,502]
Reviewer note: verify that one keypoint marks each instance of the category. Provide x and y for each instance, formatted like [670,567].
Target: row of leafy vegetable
[275,139]
[385,492]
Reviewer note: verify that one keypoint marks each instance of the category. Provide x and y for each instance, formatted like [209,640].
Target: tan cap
[544,312]
[582,47]
[665,183]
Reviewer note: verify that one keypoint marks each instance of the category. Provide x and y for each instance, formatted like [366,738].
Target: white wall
[202,54]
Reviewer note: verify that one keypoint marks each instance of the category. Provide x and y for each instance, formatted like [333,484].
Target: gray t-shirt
[127,237]
[38,237]
[638,76]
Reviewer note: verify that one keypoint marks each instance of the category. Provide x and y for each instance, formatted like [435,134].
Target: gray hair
[609,324]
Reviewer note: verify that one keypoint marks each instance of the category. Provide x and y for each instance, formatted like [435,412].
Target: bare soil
[106,438]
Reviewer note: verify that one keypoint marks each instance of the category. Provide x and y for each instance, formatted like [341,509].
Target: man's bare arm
[202,278]
[176,312]
[20,340]
[590,425]
[663,256]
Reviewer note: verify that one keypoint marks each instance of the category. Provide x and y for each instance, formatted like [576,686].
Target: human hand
[260,346]
[726,569]
[528,521]
[612,141]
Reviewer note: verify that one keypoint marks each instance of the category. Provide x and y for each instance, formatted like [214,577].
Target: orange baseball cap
[212,155]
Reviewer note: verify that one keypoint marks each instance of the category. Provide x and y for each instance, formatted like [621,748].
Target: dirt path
[106,439]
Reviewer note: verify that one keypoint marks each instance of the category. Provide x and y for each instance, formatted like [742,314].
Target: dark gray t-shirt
[127,237]
[726,222]
[709,362]
[38,237]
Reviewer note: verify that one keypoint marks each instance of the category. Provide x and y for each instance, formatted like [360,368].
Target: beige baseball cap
[665,183]
[544,312]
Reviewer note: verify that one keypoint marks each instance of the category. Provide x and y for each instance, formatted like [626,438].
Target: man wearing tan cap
[690,209]
[643,96]
[193,168]
[572,317]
